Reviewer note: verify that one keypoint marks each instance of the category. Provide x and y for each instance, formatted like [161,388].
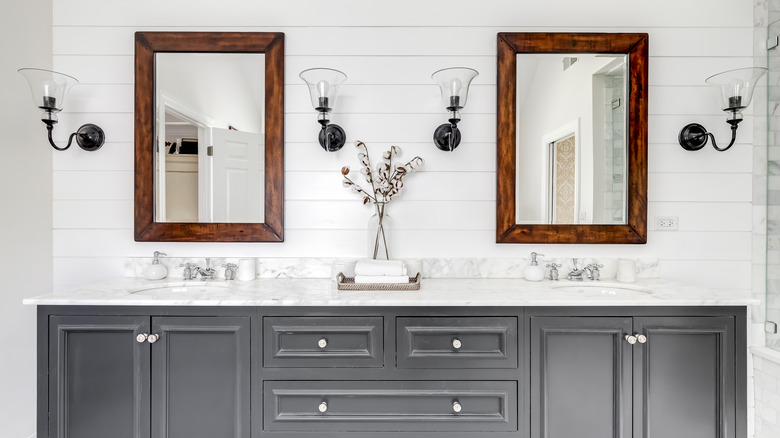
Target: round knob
[630,339]
[141,337]
[456,407]
[456,343]
[153,338]
[323,407]
[641,338]
[322,343]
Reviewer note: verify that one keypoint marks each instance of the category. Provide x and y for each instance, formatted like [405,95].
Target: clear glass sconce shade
[323,86]
[454,83]
[735,87]
[49,88]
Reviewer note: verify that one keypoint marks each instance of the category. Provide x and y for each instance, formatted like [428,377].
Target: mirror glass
[209,136]
[209,156]
[571,147]
[571,137]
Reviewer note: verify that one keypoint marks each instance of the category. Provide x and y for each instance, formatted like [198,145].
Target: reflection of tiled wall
[614,149]
[767,183]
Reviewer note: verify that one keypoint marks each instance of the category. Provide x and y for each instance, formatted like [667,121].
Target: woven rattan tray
[348,283]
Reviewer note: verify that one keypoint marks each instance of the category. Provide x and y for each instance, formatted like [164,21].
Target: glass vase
[379,233]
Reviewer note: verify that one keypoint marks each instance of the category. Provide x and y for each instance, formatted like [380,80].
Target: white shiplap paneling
[389,51]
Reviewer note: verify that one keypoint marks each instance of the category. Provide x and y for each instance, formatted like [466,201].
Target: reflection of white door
[238,176]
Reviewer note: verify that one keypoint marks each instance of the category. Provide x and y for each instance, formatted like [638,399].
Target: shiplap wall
[389,50]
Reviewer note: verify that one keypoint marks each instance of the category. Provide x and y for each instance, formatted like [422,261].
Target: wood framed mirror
[552,183]
[209,136]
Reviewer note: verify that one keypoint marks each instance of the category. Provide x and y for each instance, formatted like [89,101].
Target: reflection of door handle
[210,151]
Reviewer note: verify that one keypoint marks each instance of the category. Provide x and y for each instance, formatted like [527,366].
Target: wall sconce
[49,90]
[736,91]
[454,83]
[323,86]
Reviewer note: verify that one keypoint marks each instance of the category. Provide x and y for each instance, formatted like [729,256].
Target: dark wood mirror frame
[149,43]
[635,45]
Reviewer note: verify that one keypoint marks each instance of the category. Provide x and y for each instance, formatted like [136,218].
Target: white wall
[26,211]
[389,51]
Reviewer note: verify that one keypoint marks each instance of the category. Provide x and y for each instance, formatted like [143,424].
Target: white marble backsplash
[323,267]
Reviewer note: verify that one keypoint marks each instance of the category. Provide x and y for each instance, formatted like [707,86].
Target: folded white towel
[380,267]
[381,279]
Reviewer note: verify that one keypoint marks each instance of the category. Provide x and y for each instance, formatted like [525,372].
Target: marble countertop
[433,292]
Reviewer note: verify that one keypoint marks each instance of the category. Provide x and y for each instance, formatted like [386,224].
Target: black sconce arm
[694,136]
[89,137]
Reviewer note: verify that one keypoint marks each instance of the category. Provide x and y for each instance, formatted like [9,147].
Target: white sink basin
[602,289]
[181,288]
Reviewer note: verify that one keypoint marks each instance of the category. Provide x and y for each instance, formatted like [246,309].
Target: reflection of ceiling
[228,89]
[531,66]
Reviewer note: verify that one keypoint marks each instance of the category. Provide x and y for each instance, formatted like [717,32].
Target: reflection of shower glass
[772,122]
[614,193]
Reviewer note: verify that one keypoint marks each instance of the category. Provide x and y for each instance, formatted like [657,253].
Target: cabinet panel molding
[98,377]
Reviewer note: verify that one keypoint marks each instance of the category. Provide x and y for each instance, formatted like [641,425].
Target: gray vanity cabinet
[98,377]
[642,377]
[108,379]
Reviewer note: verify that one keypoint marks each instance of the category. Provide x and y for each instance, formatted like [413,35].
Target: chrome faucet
[576,274]
[205,274]
[190,271]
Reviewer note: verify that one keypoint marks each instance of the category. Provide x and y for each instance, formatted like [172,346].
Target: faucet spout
[208,272]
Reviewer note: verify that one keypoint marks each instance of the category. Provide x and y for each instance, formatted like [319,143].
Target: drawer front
[322,342]
[482,342]
[401,406]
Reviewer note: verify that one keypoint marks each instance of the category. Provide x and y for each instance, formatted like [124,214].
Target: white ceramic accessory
[156,271]
[247,269]
[534,272]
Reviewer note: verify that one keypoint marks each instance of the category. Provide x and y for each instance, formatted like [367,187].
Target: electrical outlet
[666,223]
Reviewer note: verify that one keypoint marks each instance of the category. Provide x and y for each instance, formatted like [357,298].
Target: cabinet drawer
[322,342]
[483,342]
[358,406]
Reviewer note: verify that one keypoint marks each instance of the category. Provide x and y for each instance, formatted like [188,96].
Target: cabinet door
[684,377]
[98,377]
[200,377]
[580,377]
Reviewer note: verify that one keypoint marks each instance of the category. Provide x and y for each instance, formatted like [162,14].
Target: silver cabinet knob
[153,338]
[456,407]
[641,338]
[323,407]
[631,339]
[456,343]
[322,343]
[141,337]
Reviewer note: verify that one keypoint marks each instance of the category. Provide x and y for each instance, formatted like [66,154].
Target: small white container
[247,269]
[534,272]
[156,271]
[346,267]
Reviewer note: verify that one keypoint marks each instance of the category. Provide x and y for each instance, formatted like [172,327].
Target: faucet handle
[554,270]
[594,270]
[230,271]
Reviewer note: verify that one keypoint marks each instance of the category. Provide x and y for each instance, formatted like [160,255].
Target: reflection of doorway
[560,175]
[179,177]
[562,180]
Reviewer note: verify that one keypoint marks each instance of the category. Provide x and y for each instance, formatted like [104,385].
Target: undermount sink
[188,287]
[602,289]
